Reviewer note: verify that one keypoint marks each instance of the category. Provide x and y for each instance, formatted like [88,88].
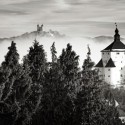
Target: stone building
[39,28]
[111,66]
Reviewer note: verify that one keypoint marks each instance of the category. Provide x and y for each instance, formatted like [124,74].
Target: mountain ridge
[54,34]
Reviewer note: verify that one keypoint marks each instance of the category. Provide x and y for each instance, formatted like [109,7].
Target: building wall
[105,57]
[119,60]
[101,73]
[114,75]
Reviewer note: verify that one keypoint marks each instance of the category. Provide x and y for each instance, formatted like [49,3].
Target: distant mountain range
[105,39]
[46,38]
[54,34]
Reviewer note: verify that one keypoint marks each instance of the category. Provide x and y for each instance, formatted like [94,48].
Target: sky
[72,17]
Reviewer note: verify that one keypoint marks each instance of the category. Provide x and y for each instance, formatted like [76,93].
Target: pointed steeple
[116,36]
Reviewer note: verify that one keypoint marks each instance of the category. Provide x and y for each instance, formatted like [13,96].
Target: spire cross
[116,25]
[116,36]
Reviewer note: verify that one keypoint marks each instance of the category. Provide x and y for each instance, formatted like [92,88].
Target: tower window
[108,69]
[103,53]
[117,53]
[121,75]
[121,68]
[121,61]
[108,53]
[108,75]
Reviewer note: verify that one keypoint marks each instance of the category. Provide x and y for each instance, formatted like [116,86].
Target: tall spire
[116,36]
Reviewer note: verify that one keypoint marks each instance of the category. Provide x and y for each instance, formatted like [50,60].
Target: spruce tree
[15,85]
[53,53]
[57,106]
[87,100]
[9,67]
[36,60]
[69,64]
[90,107]
[23,92]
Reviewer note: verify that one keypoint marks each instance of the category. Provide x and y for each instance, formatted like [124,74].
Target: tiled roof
[115,45]
[110,63]
[99,64]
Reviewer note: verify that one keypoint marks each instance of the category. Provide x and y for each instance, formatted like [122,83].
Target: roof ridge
[115,45]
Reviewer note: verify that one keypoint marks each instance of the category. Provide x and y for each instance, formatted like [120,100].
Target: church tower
[111,66]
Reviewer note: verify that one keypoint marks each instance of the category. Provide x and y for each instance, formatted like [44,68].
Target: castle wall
[105,57]
[114,75]
[113,69]
[101,73]
[40,28]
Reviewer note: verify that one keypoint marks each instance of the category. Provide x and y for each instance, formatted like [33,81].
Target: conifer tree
[53,53]
[23,92]
[9,67]
[90,107]
[57,106]
[15,85]
[36,60]
[87,97]
[69,64]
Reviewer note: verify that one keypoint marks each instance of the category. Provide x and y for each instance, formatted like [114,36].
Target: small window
[108,69]
[103,53]
[108,53]
[121,61]
[121,68]
[121,75]
[117,53]
[108,75]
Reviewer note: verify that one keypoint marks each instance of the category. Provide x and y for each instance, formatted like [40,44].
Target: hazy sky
[72,17]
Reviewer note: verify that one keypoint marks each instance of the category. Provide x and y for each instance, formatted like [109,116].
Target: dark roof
[110,63]
[115,45]
[99,64]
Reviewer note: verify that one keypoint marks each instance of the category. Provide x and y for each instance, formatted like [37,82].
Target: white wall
[105,57]
[114,75]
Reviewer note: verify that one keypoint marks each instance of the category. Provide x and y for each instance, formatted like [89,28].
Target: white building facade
[111,67]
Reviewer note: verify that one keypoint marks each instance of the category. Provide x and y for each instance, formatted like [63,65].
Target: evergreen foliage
[15,86]
[54,93]
[68,61]
[36,60]
[91,108]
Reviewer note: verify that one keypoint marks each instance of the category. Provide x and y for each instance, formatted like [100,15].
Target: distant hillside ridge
[34,34]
